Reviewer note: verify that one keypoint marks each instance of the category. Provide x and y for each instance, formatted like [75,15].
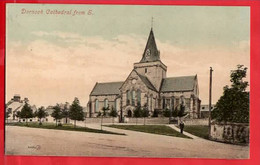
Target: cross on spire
[152,23]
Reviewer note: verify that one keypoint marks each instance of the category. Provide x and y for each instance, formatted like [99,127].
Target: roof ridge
[110,82]
[180,76]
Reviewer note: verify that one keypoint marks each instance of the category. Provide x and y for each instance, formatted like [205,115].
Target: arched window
[164,106]
[128,97]
[106,103]
[133,97]
[96,106]
[115,104]
[173,103]
[139,96]
[151,102]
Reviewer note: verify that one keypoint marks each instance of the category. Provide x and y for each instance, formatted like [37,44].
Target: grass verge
[154,129]
[66,127]
[198,130]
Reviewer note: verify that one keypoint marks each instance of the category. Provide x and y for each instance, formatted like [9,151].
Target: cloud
[48,72]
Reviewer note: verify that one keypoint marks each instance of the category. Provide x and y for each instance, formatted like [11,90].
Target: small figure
[181,126]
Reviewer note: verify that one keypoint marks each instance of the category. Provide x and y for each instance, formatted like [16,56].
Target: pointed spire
[152,23]
[151,52]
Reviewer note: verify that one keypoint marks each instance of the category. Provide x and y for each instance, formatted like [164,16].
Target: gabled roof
[151,53]
[175,84]
[147,82]
[109,88]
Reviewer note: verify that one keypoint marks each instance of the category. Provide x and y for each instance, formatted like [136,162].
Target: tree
[166,112]
[7,114]
[76,111]
[137,112]
[26,112]
[145,112]
[233,105]
[18,115]
[65,113]
[155,113]
[113,114]
[41,114]
[56,114]
[105,109]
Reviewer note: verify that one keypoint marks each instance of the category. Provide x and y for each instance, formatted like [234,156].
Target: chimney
[17,98]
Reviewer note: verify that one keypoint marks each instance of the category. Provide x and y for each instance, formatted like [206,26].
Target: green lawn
[66,127]
[154,129]
[198,130]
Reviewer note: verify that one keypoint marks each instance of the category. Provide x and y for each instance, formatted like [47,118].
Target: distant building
[204,110]
[147,85]
[16,104]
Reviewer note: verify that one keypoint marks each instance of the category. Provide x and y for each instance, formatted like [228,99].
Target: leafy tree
[138,112]
[76,111]
[233,105]
[105,110]
[56,114]
[65,113]
[18,115]
[7,114]
[41,113]
[181,112]
[113,113]
[155,113]
[99,114]
[166,112]
[145,112]
[26,112]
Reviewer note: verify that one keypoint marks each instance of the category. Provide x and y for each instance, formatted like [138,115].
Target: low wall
[157,120]
[196,121]
[149,120]
[230,132]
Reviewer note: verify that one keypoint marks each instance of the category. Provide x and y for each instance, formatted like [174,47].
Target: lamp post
[210,93]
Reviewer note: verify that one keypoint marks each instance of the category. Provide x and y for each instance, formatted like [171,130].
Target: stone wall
[230,132]
[196,121]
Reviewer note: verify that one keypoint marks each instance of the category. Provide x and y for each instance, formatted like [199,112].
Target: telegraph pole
[210,93]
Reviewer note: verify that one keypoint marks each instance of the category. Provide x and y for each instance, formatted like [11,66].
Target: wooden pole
[210,94]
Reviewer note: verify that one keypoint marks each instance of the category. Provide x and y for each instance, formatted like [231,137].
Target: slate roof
[174,84]
[154,52]
[106,88]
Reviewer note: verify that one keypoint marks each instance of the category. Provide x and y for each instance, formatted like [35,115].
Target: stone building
[15,105]
[147,85]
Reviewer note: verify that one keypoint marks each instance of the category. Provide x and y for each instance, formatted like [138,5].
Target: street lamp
[210,93]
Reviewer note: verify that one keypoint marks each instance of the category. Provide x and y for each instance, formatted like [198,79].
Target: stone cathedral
[147,85]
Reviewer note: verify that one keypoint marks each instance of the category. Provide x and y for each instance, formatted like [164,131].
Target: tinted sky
[54,58]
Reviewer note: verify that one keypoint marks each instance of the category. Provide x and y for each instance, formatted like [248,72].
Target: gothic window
[96,106]
[139,96]
[145,70]
[133,97]
[115,104]
[173,103]
[177,101]
[187,101]
[151,102]
[163,103]
[168,103]
[128,97]
[106,103]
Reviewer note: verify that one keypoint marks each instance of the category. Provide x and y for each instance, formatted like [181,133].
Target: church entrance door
[129,113]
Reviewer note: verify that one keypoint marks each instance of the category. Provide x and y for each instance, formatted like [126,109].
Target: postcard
[127,81]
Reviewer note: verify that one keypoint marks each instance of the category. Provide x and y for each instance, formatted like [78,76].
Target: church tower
[150,64]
